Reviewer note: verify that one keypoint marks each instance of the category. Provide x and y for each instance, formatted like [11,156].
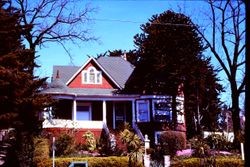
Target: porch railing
[63,123]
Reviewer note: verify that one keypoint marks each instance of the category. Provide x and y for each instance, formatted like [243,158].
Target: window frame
[81,104]
[91,72]
[147,112]
[164,113]
[157,136]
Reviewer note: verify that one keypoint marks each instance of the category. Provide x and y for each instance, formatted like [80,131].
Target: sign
[79,164]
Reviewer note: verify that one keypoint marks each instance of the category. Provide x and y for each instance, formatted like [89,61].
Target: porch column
[133,113]
[104,112]
[74,110]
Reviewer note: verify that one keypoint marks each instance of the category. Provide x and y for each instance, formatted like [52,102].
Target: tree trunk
[174,112]
[235,115]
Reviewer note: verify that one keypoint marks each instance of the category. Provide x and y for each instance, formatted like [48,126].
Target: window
[91,76]
[83,111]
[180,114]
[162,110]
[143,111]
[85,79]
[157,136]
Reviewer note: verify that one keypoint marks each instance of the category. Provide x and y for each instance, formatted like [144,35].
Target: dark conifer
[169,54]
[20,98]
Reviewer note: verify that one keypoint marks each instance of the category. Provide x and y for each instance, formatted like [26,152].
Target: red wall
[77,133]
[77,81]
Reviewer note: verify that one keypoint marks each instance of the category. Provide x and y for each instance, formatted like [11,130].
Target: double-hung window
[143,113]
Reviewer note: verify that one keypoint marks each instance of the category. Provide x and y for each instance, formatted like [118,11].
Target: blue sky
[115,24]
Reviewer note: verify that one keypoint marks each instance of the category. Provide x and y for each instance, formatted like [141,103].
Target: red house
[88,100]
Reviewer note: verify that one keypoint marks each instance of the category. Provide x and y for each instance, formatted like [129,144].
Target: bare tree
[57,21]
[226,41]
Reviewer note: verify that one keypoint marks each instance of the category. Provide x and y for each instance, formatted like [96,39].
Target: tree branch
[55,20]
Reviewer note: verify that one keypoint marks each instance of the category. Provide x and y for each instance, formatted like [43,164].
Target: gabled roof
[65,72]
[116,68]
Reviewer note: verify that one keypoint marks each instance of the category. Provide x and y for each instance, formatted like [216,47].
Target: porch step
[4,149]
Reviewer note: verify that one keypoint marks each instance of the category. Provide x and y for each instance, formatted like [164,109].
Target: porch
[90,112]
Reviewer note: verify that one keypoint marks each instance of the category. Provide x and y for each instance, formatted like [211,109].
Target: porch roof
[79,91]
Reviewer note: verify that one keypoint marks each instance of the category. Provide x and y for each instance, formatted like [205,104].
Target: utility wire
[137,22]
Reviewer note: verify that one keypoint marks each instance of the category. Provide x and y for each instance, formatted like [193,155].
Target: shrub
[218,161]
[171,141]
[64,145]
[218,142]
[90,141]
[41,150]
[200,147]
[133,144]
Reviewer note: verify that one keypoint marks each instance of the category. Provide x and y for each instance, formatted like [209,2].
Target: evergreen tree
[20,100]
[168,55]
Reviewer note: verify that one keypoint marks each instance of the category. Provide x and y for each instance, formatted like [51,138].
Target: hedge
[41,151]
[220,161]
[92,162]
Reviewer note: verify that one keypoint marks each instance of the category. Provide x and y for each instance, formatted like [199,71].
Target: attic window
[91,76]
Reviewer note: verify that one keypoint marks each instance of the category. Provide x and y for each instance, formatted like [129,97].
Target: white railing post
[147,160]
[242,151]
[147,143]
[166,160]
[146,156]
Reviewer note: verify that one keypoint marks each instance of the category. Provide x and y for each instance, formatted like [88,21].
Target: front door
[119,114]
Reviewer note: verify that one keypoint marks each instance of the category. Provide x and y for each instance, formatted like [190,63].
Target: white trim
[107,97]
[96,76]
[104,111]
[78,71]
[74,110]
[64,123]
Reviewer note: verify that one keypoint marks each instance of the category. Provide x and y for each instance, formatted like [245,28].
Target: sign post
[53,152]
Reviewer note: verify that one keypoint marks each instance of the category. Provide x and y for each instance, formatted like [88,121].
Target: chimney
[124,56]
[57,74]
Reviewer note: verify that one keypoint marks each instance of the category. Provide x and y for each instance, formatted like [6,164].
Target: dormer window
[91,76]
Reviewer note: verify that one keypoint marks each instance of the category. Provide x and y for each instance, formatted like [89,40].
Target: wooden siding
[76,133]
[77,81]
